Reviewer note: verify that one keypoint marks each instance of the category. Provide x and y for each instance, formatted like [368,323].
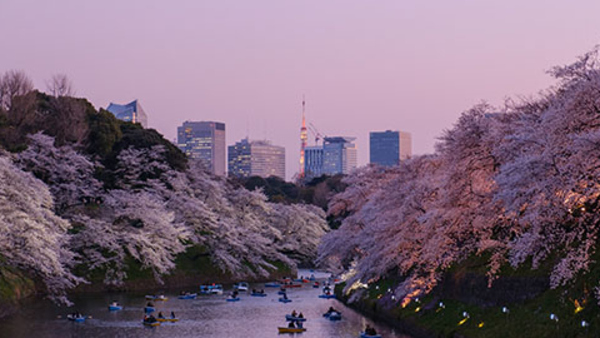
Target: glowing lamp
[553,317]
[584,323]
[505,309]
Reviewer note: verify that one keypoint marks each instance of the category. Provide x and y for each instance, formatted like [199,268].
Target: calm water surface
[205,316]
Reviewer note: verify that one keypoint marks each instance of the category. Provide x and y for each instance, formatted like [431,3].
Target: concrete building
[130,112]
[337,155]
[256,158]
[388,148]
[204,140]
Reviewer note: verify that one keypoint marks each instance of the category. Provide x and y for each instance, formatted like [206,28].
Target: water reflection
[206,316]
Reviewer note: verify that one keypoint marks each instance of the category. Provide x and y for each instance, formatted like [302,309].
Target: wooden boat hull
[291,330]
[154,324]
[168,320]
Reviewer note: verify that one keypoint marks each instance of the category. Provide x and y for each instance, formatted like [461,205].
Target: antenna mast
[303,138]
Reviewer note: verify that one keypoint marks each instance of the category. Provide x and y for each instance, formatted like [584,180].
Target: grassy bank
[464,291]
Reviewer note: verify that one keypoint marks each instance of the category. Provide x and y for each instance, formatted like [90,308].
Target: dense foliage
[97,195]
[520,184]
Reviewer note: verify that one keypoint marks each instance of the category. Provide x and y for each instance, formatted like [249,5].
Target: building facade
[204,140]
[130,112]
[313,165]
[256,158]
[337,155]
[388,148]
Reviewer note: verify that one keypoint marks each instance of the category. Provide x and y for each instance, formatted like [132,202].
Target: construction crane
[315,132]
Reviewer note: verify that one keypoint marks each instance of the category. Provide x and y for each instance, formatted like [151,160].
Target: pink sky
[363,65]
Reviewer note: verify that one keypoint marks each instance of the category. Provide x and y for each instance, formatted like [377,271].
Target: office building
[131,112]
[313,165]
[388,148]
[256,158]
[337,155]
[204,140]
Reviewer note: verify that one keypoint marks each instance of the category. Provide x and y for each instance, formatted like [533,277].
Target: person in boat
[262,291]
[151,319]
[370,330]
[150,304]
[294,313]
[331,310]
[299,325]
[300,315]
[254,291]
[182,293]
[285,296]
[291,325]
[172,314]
[160,315]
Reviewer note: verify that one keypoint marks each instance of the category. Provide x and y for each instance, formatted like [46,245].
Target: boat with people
[272,285]
[233,299]
[291,329]
[161,298]
[284,300]
[172,319]
[114,306]
[188,295]
[327,296]
[212,289]
[335,316]
[157,297]
[316,285]
[216,289]
[76,317]
[369,332]
[242,286]
[150,321]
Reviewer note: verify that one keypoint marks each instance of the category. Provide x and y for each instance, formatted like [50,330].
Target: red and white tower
[303,140]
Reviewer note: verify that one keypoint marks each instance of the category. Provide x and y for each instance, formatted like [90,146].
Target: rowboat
[236,299]
[188,296]
[151,324]
[76,318]
[290,330]
[326,296]
[272,285]
[171,320]
[285,300]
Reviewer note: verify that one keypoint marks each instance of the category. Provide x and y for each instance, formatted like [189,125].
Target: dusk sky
[362,65]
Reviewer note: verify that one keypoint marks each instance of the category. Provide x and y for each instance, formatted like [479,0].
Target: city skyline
[362,66]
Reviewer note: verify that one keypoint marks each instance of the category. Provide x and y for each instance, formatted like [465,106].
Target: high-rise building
[337,155]
[256,158]
[131,112]
[204,140]
[388,148]
[313,165]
